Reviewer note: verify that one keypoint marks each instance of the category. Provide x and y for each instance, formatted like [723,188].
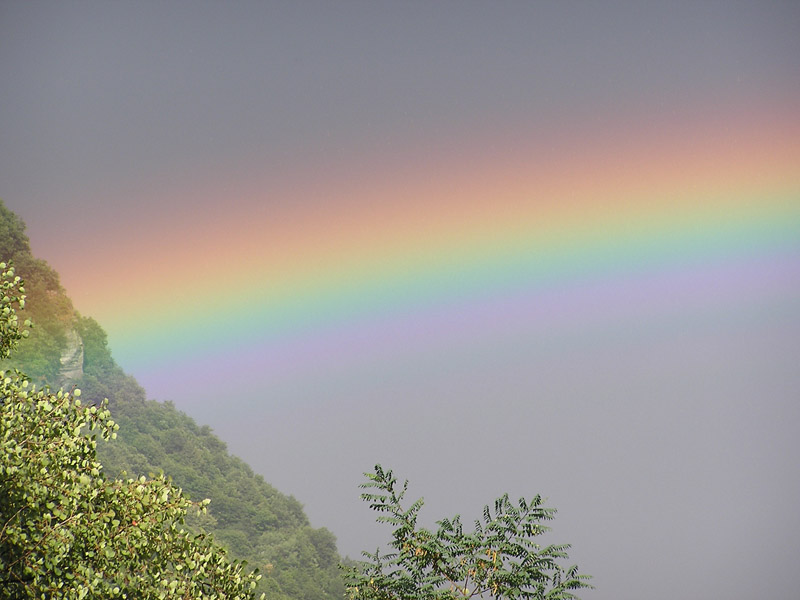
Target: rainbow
[372,258]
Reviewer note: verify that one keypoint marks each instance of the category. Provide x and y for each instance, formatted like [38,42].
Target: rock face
[71,359]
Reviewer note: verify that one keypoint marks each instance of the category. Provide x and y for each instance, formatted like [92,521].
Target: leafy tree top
[500,558]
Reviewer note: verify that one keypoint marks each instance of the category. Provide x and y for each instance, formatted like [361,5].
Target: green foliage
[498,559]
[12,234]
[11,293]
[102,377]
[250,517]
[49,307]
[51,310]
[66,530]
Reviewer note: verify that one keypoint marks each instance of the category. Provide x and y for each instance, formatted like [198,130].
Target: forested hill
[247,515]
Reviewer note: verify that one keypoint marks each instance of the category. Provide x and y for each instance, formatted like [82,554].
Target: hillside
[247,515]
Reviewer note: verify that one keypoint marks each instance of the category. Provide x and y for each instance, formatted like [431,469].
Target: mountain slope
[255,521]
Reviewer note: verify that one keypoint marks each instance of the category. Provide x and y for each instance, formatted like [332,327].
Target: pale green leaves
[67,531]
[12,293]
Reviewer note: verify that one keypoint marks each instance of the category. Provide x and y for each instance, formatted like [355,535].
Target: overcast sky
[653,398]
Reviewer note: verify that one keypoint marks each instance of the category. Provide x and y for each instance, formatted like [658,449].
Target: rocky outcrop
[71,359]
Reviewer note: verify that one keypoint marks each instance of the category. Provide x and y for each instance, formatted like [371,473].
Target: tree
[50,307]
[11,292]
[12,234]
[499,559]
[66,531]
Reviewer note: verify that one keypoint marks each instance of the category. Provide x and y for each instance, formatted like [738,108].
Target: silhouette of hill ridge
[251,518]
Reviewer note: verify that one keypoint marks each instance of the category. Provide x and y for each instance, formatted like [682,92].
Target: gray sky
[655,408]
